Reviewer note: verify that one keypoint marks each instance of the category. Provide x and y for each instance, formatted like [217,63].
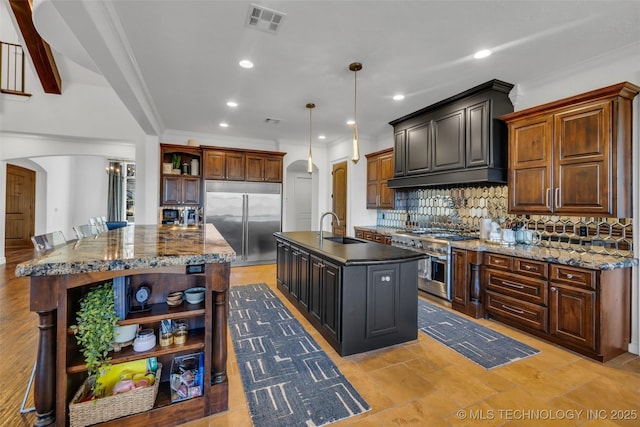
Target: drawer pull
[527,267]
[513,285]
[506,307]
[569,276]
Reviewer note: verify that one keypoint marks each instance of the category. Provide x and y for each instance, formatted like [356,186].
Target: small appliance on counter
[170,216]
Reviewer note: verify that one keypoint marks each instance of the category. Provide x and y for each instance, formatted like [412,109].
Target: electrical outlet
[582,231]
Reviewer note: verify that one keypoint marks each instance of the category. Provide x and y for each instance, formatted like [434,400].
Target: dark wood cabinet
[179,190]
[324,298]
[465,286]
[379,171]
[223,164]
[454,141]
[573,156]
[182,189]
[283,264]
[264,168]
[371,236]
[242,165]
[585,310]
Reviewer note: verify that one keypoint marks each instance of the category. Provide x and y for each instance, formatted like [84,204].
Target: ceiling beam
[39,50]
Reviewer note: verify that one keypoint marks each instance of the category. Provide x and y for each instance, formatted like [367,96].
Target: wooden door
[373,182]
[387,195]
[339,198]
[191,190]
[530,165]
[273,169]
[171,190]
[214,164]
[572,315]
[20,207]
[235,166]
[582,177]
[255,168]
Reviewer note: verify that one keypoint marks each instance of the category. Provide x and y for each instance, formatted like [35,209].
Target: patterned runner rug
[287,378]
[481,345]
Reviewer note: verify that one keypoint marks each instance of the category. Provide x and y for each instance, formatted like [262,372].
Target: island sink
[343,240]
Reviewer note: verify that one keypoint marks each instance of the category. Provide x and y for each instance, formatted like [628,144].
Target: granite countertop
[133,247]
[349,254]
[575,257]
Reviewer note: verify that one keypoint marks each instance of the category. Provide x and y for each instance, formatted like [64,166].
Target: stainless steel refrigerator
[246,214]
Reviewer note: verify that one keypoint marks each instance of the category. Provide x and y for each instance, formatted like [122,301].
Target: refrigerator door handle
[244,227]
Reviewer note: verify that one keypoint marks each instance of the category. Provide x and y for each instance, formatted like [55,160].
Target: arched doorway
[301,197]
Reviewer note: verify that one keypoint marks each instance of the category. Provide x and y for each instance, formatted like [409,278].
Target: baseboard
[634,348]
[3,260]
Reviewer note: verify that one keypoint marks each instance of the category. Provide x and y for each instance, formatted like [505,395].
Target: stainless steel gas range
[434,271]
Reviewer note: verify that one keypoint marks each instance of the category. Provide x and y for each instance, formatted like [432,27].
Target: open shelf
[195,342]
[163,311]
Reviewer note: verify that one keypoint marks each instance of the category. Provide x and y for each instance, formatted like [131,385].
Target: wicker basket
[108,408]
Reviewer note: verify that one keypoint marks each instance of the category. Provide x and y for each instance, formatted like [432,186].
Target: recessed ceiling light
[398,97]
[322,137]
[482,54]
[232,104]
[224,125]
[245,63]
[351,122]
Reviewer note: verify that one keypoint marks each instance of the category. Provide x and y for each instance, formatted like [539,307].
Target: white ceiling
[175,62]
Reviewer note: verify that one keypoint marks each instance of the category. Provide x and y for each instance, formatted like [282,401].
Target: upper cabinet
[242,165]
[456,141]
[380,167]
[180,185]
[573,156]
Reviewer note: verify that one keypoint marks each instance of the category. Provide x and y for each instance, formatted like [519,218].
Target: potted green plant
[176,163]
[94,330]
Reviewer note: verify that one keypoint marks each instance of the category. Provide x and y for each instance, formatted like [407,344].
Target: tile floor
[424,383]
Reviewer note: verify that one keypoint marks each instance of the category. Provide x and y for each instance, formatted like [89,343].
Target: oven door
[433,276]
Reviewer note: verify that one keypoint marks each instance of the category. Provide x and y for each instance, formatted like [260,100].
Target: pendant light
[310,106]
[355,149]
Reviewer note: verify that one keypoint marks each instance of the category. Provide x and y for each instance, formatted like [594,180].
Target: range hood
[459,140]
[464,176]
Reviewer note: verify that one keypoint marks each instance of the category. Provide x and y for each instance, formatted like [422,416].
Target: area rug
[481,345]
[287,378]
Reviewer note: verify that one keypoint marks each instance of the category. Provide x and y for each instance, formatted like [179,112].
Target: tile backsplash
[461,208]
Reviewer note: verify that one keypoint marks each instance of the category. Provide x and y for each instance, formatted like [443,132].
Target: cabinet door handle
[548,194]
[513,285]
[553,289]
[557,197]
[506,307]
[385,278]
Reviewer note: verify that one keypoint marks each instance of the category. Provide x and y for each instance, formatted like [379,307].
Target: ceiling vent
[271,121]
[264,19]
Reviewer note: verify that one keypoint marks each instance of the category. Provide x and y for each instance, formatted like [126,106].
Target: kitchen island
[161,258]
[359,295]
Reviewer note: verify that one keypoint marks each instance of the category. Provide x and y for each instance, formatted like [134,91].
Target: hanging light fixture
[310,106]
[355,149]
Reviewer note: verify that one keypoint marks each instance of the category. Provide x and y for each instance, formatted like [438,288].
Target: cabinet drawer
[368,235]
[522,288]
[573,276]
[502,262]
[378,238]
[529,315]
[531,268]
[360,234]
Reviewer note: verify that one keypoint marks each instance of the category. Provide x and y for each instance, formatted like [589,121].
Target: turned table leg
[44,383]
[219,362]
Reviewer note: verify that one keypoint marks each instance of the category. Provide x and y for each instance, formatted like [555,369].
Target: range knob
[412,243]
[419,245]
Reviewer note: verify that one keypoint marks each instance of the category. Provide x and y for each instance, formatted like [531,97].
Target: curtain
[114,203]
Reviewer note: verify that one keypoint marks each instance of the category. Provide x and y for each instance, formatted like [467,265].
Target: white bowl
[124,333]
[194,295]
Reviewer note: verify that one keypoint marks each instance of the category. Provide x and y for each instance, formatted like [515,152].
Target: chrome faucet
[322,217]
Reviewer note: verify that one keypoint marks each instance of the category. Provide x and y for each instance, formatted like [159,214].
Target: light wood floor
[422,383]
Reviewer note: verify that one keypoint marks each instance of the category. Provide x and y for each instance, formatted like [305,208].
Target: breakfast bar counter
[163,258]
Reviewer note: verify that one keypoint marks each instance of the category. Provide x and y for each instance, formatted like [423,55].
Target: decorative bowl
[125,333]
[194,295]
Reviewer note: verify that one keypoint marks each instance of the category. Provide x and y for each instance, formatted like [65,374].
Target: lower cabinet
[372,236]
[584,310]
[355,308]
[465,286]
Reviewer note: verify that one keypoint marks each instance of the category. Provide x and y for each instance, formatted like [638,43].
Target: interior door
[20,207]
[339,198]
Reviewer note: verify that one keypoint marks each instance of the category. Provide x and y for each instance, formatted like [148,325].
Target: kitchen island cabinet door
[315,291]
[331,302]
[283,261]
